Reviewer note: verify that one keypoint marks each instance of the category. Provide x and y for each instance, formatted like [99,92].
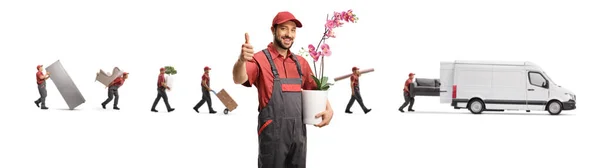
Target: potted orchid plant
[315,101]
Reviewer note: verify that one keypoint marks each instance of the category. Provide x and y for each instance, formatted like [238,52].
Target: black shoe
[169,110]
[195,109]
[44,108]
[153,110]
[411,110]
[116,108]
[212,112]
[37,103]
[103,106]
[401,110]
[367,111]
[348,111]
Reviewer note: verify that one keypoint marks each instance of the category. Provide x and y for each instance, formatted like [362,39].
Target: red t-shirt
[39,76]
[407,85]
[161,79]
[260,74]
[118,82]
[354,80]
[206,78]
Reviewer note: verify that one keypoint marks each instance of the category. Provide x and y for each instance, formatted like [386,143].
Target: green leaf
[324,82]
[317,81]
[170,70]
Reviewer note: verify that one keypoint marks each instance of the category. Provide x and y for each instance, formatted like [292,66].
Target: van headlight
[571,96]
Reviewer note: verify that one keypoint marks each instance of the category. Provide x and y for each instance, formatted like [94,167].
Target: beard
[280,44]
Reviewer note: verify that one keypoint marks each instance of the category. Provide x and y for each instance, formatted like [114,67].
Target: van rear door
[446,81]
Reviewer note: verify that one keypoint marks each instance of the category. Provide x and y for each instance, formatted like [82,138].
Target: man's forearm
[239,72]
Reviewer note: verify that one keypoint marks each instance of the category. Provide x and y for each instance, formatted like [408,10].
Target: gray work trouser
[356,97]
[408,99]
[161,94]
[43,94]
[205,99]
[112,91]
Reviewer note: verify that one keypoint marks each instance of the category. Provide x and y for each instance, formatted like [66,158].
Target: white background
[410,36]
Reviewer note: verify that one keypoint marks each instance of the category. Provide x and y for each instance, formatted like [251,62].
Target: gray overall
[43,93]
[112,91]
[281,132]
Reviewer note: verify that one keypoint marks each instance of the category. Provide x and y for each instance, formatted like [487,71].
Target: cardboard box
[229,103]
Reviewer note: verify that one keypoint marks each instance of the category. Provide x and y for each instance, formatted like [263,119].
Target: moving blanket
[65,85]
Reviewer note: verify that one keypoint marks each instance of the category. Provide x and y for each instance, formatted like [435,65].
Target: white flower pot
[313,103]
[170,79]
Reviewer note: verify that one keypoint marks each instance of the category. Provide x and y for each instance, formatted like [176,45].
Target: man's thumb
[319,115]
[247,38]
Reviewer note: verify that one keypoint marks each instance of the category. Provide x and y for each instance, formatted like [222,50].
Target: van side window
[537,79]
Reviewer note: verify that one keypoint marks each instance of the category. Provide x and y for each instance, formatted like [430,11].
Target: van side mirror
[545,84]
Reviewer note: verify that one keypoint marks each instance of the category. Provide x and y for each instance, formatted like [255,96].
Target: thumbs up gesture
[247,50]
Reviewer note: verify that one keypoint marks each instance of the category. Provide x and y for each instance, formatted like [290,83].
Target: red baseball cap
[354,68]
[125,73]
[285,16]
[38,67]
[411,74]
[207,68]
[162,68]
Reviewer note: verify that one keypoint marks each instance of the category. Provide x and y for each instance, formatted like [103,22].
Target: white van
[498,86]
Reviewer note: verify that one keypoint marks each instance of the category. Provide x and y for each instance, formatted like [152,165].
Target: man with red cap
[162,85]
[205,92]
[354,86]
[113,90]
[408,98]
[279,77]
[41,82]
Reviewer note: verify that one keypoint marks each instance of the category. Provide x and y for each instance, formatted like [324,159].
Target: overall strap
[275,73]
[297,65]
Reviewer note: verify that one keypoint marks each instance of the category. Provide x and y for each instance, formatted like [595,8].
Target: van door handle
[530,90]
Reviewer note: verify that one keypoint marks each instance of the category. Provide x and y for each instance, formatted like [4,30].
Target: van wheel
[554,108]
[476,106]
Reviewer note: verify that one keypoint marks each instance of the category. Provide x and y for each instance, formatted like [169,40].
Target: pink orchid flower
[330,34]
[330,24]
[312,51]
[316,56]
[325,49]
[344,16]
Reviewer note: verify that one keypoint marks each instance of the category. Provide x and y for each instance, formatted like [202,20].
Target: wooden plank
[348,75]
